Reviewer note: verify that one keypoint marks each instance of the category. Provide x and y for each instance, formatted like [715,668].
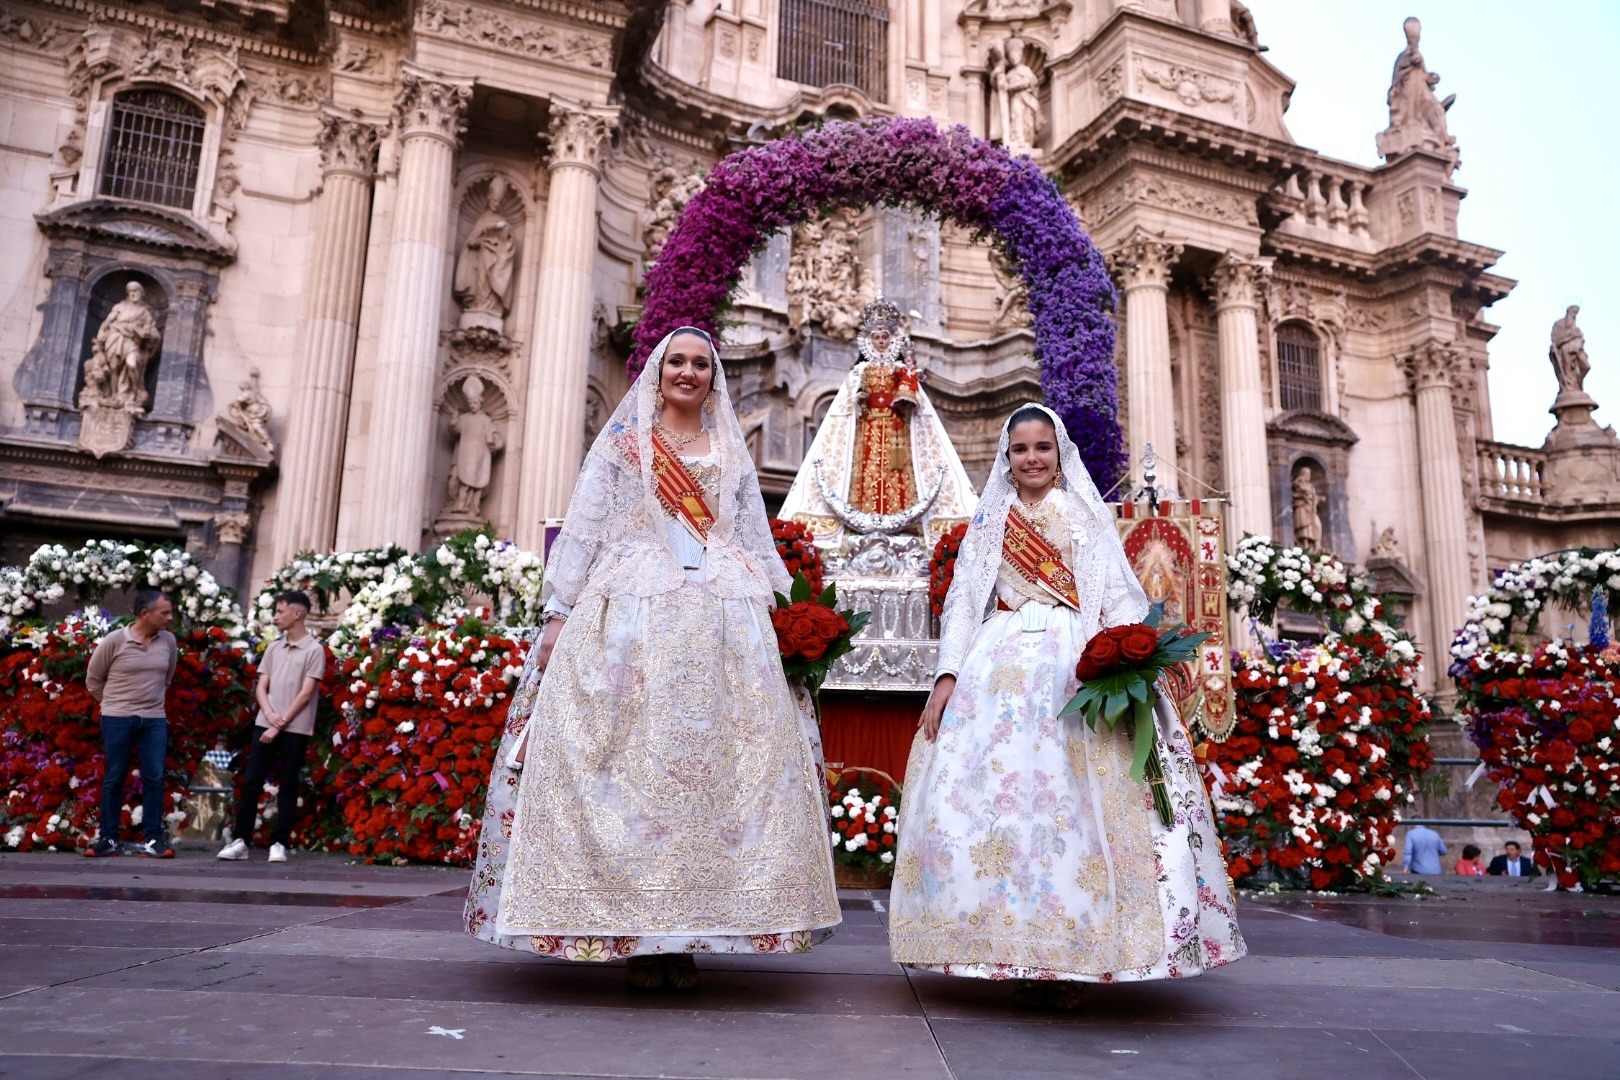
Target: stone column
[560,346]
[318,420]
[1142,266]
[1431,371]
[1215,16]
[1237,281]
[430,114]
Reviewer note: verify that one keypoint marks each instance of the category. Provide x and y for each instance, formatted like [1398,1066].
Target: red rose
[1138,642]
[1100,657]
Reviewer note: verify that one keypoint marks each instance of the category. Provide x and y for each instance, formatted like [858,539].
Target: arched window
[1299,368]
[835,41]
[154,148]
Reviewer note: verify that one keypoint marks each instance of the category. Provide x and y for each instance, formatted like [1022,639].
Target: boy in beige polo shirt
[289,685]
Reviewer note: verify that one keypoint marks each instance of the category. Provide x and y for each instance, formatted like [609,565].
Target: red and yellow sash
[1037,561]
[678,492]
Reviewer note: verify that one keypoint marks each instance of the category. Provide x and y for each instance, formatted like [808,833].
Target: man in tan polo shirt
[289,685]
[129,676]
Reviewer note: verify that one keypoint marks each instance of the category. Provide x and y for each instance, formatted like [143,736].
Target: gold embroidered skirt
[671,799]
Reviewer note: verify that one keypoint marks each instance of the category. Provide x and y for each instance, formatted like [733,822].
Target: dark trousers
[286,753]
[122,736]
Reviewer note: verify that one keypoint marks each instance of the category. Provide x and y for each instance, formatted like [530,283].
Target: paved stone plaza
[320,968]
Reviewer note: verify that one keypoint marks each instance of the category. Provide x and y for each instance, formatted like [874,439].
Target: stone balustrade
[1328,200]
[1510,472]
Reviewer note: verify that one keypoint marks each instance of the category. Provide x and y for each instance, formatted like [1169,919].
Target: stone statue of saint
[250,411]
[1018,102]
[1568,353]
[478,440]
[1307,522]
[483,283]
[125,343]
[1417,117]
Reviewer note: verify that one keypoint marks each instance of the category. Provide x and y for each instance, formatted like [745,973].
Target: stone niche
[154,480]
[1317,444]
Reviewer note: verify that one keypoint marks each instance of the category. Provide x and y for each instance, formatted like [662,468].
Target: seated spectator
[1512,863]
[1469,865]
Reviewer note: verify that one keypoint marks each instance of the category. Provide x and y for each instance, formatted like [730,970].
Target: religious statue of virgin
[881,461]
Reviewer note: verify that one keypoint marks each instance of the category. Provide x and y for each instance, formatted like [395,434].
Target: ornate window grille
[836,41]
[154,148]
[1299,368]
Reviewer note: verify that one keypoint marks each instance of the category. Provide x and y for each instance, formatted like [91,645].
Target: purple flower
[910,162]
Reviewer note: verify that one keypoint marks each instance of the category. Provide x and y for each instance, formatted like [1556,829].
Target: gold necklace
[681,439]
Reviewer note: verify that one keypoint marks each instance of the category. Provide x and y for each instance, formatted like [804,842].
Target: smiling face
[688,372]
[1032,451]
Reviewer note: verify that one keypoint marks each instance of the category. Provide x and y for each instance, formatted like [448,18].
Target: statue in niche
[478,440]
[250,411]
[483,283]
[824,274]
[1017,106]
[1568,353]
[126,341]
[1417,117]
[1012,293]
[1307,502]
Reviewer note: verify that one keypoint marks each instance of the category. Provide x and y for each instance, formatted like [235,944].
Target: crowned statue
[881,462]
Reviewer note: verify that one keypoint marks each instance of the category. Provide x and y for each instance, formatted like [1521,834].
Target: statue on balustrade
[1568,353]
[124,345]
[1307,519]
[1417,117]
[483,283]
[478,440]
[881,461]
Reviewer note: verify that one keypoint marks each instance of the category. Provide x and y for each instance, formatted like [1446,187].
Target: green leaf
[829,596]
[857,620]
[1138,690]
[781,601]
[1154,615]
[1114,711]
[1142,741]
[801,588]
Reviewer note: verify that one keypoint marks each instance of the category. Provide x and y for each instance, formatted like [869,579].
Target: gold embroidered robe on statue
[883,480]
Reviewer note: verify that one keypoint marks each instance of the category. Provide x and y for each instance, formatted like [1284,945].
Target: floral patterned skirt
[1026,851]
[671,800]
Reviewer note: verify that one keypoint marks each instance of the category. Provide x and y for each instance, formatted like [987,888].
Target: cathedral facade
[295,274]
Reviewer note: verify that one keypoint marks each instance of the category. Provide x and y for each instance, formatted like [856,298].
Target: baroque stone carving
[579,134]
[1417,116]
[1386,547]
[478,440]
[1568,354]
[348,144]
[356,58]
[1190,86]
[126,341]
[674,183]
[1238,280]
[1111,83]
[1012,293]
[233,528]
[32,33]
[1144,259]
[1016,103]
[250,412]
[524,37]
[484,267]
[294,88]
[824,274]
[1173,195]
[1434,364]
[432,106]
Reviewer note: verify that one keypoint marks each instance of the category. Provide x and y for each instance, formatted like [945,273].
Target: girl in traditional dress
[1026,851]
[659,793]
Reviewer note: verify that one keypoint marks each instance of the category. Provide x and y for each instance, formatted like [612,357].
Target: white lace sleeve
[1123,600]
[753,533]
[969,598]
[603,499]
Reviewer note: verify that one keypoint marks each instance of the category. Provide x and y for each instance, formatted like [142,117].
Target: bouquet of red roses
[811,633]
[1117,671]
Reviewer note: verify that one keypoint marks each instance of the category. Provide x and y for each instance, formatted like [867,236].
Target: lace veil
[1109,591]
[614,541]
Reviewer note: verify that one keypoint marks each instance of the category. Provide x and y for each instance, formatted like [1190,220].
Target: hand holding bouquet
[811,633]
[1117,671]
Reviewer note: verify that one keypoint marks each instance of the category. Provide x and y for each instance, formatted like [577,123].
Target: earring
[708,404]
[658,397]
[1058,479]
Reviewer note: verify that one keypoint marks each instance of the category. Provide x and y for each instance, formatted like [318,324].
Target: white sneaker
[234,851]
[278,853]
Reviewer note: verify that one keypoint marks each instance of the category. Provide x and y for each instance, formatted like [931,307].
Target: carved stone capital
[1144,259]
[1237,280]
[579,133]
[430,104]
[233,527]
[1436,364]
[348,144]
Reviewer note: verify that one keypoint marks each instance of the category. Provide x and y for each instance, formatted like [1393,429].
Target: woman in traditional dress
[1026,851]
[658,792]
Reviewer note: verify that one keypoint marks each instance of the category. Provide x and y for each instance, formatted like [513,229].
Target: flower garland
[796,545]
[942,568]
[324,578]
[1331,738]
[895,161]
[1545,718]
[103,566]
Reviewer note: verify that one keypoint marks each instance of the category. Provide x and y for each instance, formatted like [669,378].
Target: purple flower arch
[752,193]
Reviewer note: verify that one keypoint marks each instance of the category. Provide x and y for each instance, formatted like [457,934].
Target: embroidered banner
[1037,561]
